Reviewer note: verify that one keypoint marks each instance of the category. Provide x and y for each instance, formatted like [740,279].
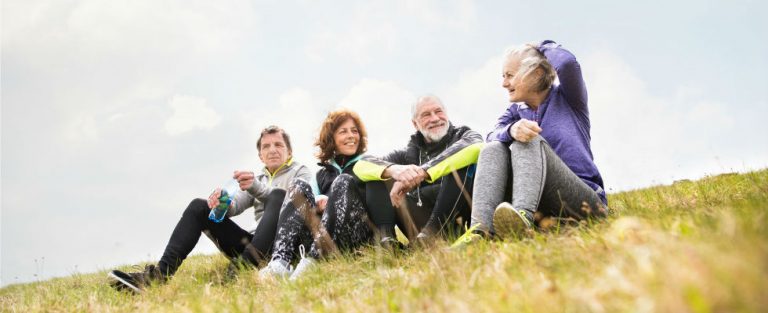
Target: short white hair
[531,60]
[424,99]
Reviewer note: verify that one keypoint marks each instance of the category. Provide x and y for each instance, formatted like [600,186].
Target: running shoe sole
[509,223]
[123,281]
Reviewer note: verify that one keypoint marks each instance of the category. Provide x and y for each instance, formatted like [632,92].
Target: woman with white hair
[539,150]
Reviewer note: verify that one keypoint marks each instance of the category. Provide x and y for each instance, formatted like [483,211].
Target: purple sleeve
[501,131]
[568,71]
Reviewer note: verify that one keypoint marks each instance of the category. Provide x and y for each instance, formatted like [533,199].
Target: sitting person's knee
[276,194]
[197,207]
[300,185]
[494,145]
[493,148]
[342,181]
[516,145]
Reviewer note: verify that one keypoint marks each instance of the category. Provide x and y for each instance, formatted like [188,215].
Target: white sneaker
[306,264]
[276,268]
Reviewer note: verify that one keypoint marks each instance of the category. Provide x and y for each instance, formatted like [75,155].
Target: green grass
[689,247]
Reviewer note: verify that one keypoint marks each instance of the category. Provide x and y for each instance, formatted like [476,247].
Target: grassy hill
[690,247]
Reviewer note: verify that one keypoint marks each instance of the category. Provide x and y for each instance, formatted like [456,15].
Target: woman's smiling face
[346,138]
[518,88]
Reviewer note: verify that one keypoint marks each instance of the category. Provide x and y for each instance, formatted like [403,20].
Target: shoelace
[526,220]
[144,274]
[467,236]
[274,267]
[143,268]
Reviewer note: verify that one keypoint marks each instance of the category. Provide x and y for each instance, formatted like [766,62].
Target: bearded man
[421,199]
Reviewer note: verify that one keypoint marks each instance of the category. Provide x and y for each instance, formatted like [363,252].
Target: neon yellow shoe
[469,237]
[511,223]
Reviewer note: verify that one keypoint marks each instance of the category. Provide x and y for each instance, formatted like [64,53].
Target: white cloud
[634,135]
[298,112]
[385,108]
[477,98]
[93,69]
[81,129]
[640,138]
[93,27]
[361,44]
[375,29]
[362,36]
[190,113]
[102,58]
[452,14]
[297,99]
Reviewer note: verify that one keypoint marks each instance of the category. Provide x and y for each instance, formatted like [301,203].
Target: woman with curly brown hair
[337,215]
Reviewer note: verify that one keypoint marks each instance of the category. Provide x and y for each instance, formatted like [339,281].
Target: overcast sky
[115,114]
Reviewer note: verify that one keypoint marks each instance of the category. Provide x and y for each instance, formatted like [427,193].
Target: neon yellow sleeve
[368,171]
[458,160]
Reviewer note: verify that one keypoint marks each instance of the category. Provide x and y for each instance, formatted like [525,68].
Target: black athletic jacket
[459,148]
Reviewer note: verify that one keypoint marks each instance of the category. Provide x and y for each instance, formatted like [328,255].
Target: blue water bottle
[226,201]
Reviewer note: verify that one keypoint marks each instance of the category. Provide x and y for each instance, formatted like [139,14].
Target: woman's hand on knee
[524,130]
[321,201]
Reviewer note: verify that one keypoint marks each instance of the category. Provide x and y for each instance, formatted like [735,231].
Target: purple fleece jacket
[563,118]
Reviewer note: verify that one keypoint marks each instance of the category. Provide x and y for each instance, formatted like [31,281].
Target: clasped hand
[406,178]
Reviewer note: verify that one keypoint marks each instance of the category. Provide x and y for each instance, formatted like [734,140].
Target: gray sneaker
[276,268]
[511,223]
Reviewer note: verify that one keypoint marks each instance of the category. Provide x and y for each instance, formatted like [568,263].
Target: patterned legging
[343,225]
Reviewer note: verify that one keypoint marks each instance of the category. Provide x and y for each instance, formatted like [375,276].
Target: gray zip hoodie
[263,184]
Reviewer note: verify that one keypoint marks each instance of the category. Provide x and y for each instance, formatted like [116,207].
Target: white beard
[436,135]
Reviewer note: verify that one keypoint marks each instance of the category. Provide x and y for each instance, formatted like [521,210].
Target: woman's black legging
[344,223]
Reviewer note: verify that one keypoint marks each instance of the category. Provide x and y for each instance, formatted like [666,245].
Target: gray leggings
[533,178]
